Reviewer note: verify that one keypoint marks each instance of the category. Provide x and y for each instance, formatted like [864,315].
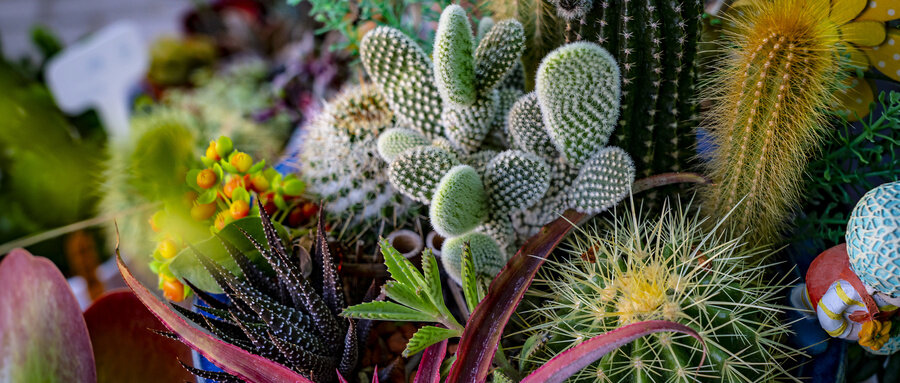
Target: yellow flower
[874,334]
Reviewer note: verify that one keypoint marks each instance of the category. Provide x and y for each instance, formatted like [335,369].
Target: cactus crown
[631,270]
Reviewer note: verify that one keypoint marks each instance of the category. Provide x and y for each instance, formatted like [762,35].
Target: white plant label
[99,73]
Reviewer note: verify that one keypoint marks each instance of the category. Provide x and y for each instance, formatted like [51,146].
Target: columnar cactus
[768,113]
[666,268]
[340,161]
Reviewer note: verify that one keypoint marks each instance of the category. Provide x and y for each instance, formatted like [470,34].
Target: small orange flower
[874,334]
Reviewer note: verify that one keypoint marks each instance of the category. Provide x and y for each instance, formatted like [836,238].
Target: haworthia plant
[417,171]
[578,89]
[404,75]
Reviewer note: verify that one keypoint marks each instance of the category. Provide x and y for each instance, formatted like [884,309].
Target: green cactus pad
[487,256]
[500,228]
[578,90]
[526,128]
[417,171]
[467,126]
[603,181]
[484,26]
[396,140]
[404,75]
[479,160]
[497,137]
[515,180]
[497,53]
[454,63]
[459,203]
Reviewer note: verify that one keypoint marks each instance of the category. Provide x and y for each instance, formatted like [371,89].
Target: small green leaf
[385,311]
[191,179]
[228,167]
[224,146]
[294,187]
[257,166]
[433,280]
[401,269]
[406,295]
[208,196]
[279,202]
[207,161]
[427,336]
[219,172]
[240,194]
[469,279]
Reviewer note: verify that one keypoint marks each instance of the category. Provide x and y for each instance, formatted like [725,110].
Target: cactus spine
[665,268]
[768,114]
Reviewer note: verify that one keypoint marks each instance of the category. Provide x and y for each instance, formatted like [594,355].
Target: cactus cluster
[341,164]
[666,268]
[495,153]
[768,112]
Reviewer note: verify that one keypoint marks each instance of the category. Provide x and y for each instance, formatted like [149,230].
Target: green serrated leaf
[401,269]
[385,311]
[406,295]
[427,336]
[469,279]
[433,280]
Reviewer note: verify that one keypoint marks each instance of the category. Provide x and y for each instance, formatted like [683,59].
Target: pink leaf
[430,366]
[230,358]
[564,365]
[43,337]
[124,347]
[483,330]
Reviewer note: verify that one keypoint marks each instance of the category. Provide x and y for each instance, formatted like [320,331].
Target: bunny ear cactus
[454,63]
[578,88]
[498,53]
[526,128]
[487,255]
[467,126]
[418,171]
[397,140]
[603,181]
[459,203]
[515,180]
[404,75]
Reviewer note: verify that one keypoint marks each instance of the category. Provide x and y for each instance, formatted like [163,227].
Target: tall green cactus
[780,73]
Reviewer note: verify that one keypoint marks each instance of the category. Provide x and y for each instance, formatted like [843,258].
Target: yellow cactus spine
[769,100]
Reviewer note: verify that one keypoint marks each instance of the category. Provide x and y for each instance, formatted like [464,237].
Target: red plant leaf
[43,337]
[430,367]
[564,365]
[124,347]
[230,358]
[483,330]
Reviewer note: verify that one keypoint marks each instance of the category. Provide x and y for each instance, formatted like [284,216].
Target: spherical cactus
[467,126]
[454,63]
[873,238]
[666,268]
[459,203]
[515,180]
[497,53]
[404,75]
[578,89]
[487,256]
[603,181]
[417,172]
[526,128]
[340,162]
[396,140]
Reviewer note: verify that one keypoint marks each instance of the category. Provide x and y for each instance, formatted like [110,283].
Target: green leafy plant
[418,297]
[853,161]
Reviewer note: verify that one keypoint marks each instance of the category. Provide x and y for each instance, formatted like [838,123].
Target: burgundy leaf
[564,365]
[230,358]
[485,326]
[126,348]
[43,337]
[430,366]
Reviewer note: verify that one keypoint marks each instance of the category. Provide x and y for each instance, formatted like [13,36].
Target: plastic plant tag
[99,72]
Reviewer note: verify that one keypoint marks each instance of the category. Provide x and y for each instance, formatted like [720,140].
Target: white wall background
[73,19]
